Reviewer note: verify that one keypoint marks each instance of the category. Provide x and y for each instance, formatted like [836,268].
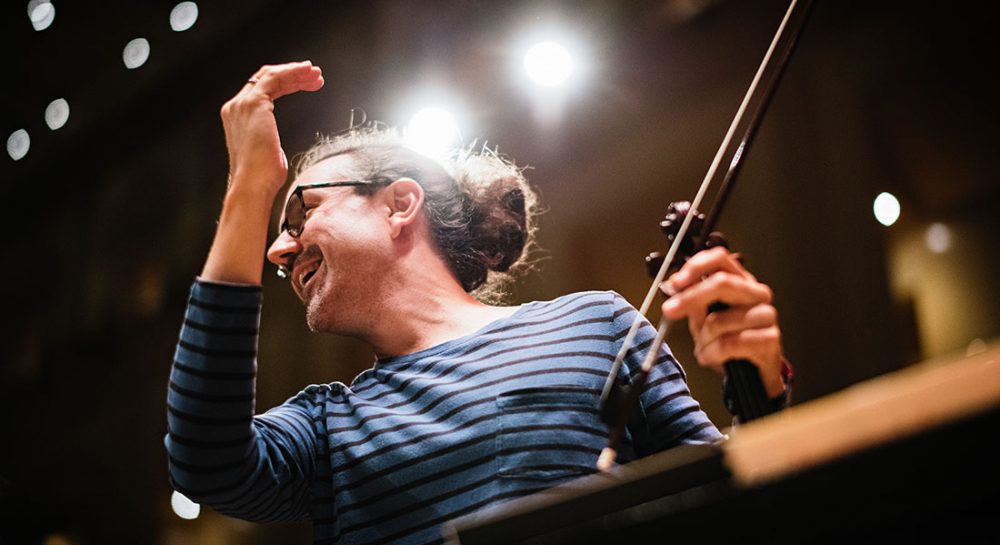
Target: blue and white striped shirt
[418,439]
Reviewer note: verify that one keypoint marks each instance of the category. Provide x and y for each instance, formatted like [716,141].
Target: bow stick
[751,400]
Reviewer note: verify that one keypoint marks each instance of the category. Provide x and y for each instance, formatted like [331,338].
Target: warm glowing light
[41,13]
[183,507]
[553,65]
[57,113]
[886,208]
[57,539]
[183,16]
[976,346]
[548,64]
[938,238]
[136,53]
[18,144]
[432,131]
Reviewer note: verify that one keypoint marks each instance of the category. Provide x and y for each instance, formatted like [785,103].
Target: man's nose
[284,250]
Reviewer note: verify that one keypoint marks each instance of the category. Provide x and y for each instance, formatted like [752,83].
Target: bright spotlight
[886,208]
[41,13]
[57,113]
[18,144]
[136,53]
[432,131]
[938,238]
[558,64]
[548,64]
[183,507]
[183,16]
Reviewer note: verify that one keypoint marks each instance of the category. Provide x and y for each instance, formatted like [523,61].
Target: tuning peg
[715,239]
[653,263]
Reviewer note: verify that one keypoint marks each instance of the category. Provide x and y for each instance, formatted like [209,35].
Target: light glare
[183,16]
[976,346]
[41,14]
[18,144]
[432,131]
[886,208]
[548,64]
[57,113]
[183,507]
[136,53]
[938,238]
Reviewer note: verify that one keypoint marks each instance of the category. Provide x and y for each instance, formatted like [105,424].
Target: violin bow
[751,401]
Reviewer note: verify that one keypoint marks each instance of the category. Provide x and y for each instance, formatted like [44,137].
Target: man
[468,404]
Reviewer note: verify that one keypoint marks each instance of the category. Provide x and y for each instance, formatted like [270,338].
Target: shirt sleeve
[668,415]
[221,455]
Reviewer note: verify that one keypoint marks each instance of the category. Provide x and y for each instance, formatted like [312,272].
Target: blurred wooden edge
[883,409]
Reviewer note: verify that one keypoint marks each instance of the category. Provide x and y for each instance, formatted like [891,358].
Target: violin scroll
[692,242]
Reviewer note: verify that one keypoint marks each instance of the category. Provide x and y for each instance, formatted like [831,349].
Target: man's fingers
[747,329]
[729,288]
[284,79]
[291,79]
[251,131]
[761,346]
[757,345]
[736,319]
[314,82]
[704,263]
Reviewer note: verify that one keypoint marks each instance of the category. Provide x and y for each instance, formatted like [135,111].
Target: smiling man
[467,404]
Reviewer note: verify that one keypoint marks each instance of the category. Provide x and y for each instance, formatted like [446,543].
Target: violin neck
[744,392]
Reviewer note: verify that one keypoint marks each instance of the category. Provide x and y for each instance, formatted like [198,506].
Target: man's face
[335,263]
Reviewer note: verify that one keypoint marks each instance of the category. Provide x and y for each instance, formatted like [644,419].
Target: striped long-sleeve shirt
[418,439]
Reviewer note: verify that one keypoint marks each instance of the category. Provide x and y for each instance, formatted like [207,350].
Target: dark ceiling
[109,218]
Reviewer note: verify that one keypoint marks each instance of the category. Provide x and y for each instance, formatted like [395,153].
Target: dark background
[108,219]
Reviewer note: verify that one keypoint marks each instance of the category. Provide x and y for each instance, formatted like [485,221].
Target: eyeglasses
[295,208]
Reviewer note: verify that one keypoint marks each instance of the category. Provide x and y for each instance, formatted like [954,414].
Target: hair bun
[498,226]
[500,204]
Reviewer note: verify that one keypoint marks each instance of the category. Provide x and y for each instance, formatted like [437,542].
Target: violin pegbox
[671,225]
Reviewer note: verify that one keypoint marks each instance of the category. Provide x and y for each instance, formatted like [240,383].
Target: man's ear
[405,200]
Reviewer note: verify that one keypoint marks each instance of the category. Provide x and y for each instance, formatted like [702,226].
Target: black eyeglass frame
[294,227]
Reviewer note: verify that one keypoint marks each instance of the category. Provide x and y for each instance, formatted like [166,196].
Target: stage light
[553,65]
[183,16]
[938,238]
[432,131]
[41,13]
[135,53]
[886,208]
[548,64]
[57,113]
[18,144]
[552,55]
[183,507]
